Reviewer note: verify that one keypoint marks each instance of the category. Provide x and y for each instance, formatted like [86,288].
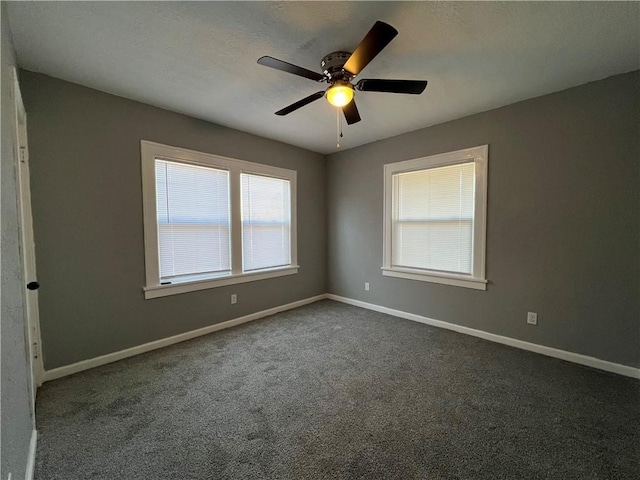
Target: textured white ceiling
[199,58]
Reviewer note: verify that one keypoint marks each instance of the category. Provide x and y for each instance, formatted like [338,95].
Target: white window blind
[266,222]
[433,219]
[193,220]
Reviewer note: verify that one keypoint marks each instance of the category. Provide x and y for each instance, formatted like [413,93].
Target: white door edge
[21,155]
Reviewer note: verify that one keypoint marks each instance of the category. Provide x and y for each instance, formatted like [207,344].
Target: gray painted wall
[17,420]
[87,210]
[563,229]
[563,225]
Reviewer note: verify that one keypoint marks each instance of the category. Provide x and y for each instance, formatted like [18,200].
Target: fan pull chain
[339,127]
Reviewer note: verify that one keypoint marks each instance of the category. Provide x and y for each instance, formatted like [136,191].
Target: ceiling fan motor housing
[332,65]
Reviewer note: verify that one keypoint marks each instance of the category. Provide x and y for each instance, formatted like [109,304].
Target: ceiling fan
[340,68]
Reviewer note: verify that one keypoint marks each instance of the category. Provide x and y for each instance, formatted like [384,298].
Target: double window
[435,218]
[213,221]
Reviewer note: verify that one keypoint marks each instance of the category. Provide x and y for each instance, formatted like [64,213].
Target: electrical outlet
[532,318]
[366,286]
[234,299]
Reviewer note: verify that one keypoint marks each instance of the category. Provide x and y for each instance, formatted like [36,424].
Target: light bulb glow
[339,95]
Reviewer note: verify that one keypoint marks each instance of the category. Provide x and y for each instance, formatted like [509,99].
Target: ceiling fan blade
[351,112]
[300,103]
[414,87]
[290,68]
[378,37]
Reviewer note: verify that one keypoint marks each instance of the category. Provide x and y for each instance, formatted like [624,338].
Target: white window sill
[156,291]
[434,277]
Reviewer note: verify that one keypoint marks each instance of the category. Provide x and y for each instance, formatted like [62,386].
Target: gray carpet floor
[334,391]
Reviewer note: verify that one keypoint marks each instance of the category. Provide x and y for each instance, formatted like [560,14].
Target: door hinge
[23,154]
[36,350]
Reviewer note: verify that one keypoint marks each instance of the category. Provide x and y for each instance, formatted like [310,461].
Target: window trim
[149,152]
[477,280]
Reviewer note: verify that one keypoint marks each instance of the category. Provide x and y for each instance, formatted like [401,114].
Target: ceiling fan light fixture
[340,94]
[339,69]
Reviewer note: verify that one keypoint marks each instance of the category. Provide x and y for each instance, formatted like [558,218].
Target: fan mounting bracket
[332,66]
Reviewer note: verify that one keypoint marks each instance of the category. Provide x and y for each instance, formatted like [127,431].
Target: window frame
[150,151]
[477,279]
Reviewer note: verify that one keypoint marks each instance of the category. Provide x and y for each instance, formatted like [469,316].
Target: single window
[194,227]
[266,222]
[435,211]
[212,221]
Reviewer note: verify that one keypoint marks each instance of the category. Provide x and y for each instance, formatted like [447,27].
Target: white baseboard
[147,347]
[31,460]
[512,342]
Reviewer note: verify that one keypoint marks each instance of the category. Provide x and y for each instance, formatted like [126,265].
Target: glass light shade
[339,95]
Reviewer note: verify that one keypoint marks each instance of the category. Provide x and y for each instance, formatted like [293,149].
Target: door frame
[27,244]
